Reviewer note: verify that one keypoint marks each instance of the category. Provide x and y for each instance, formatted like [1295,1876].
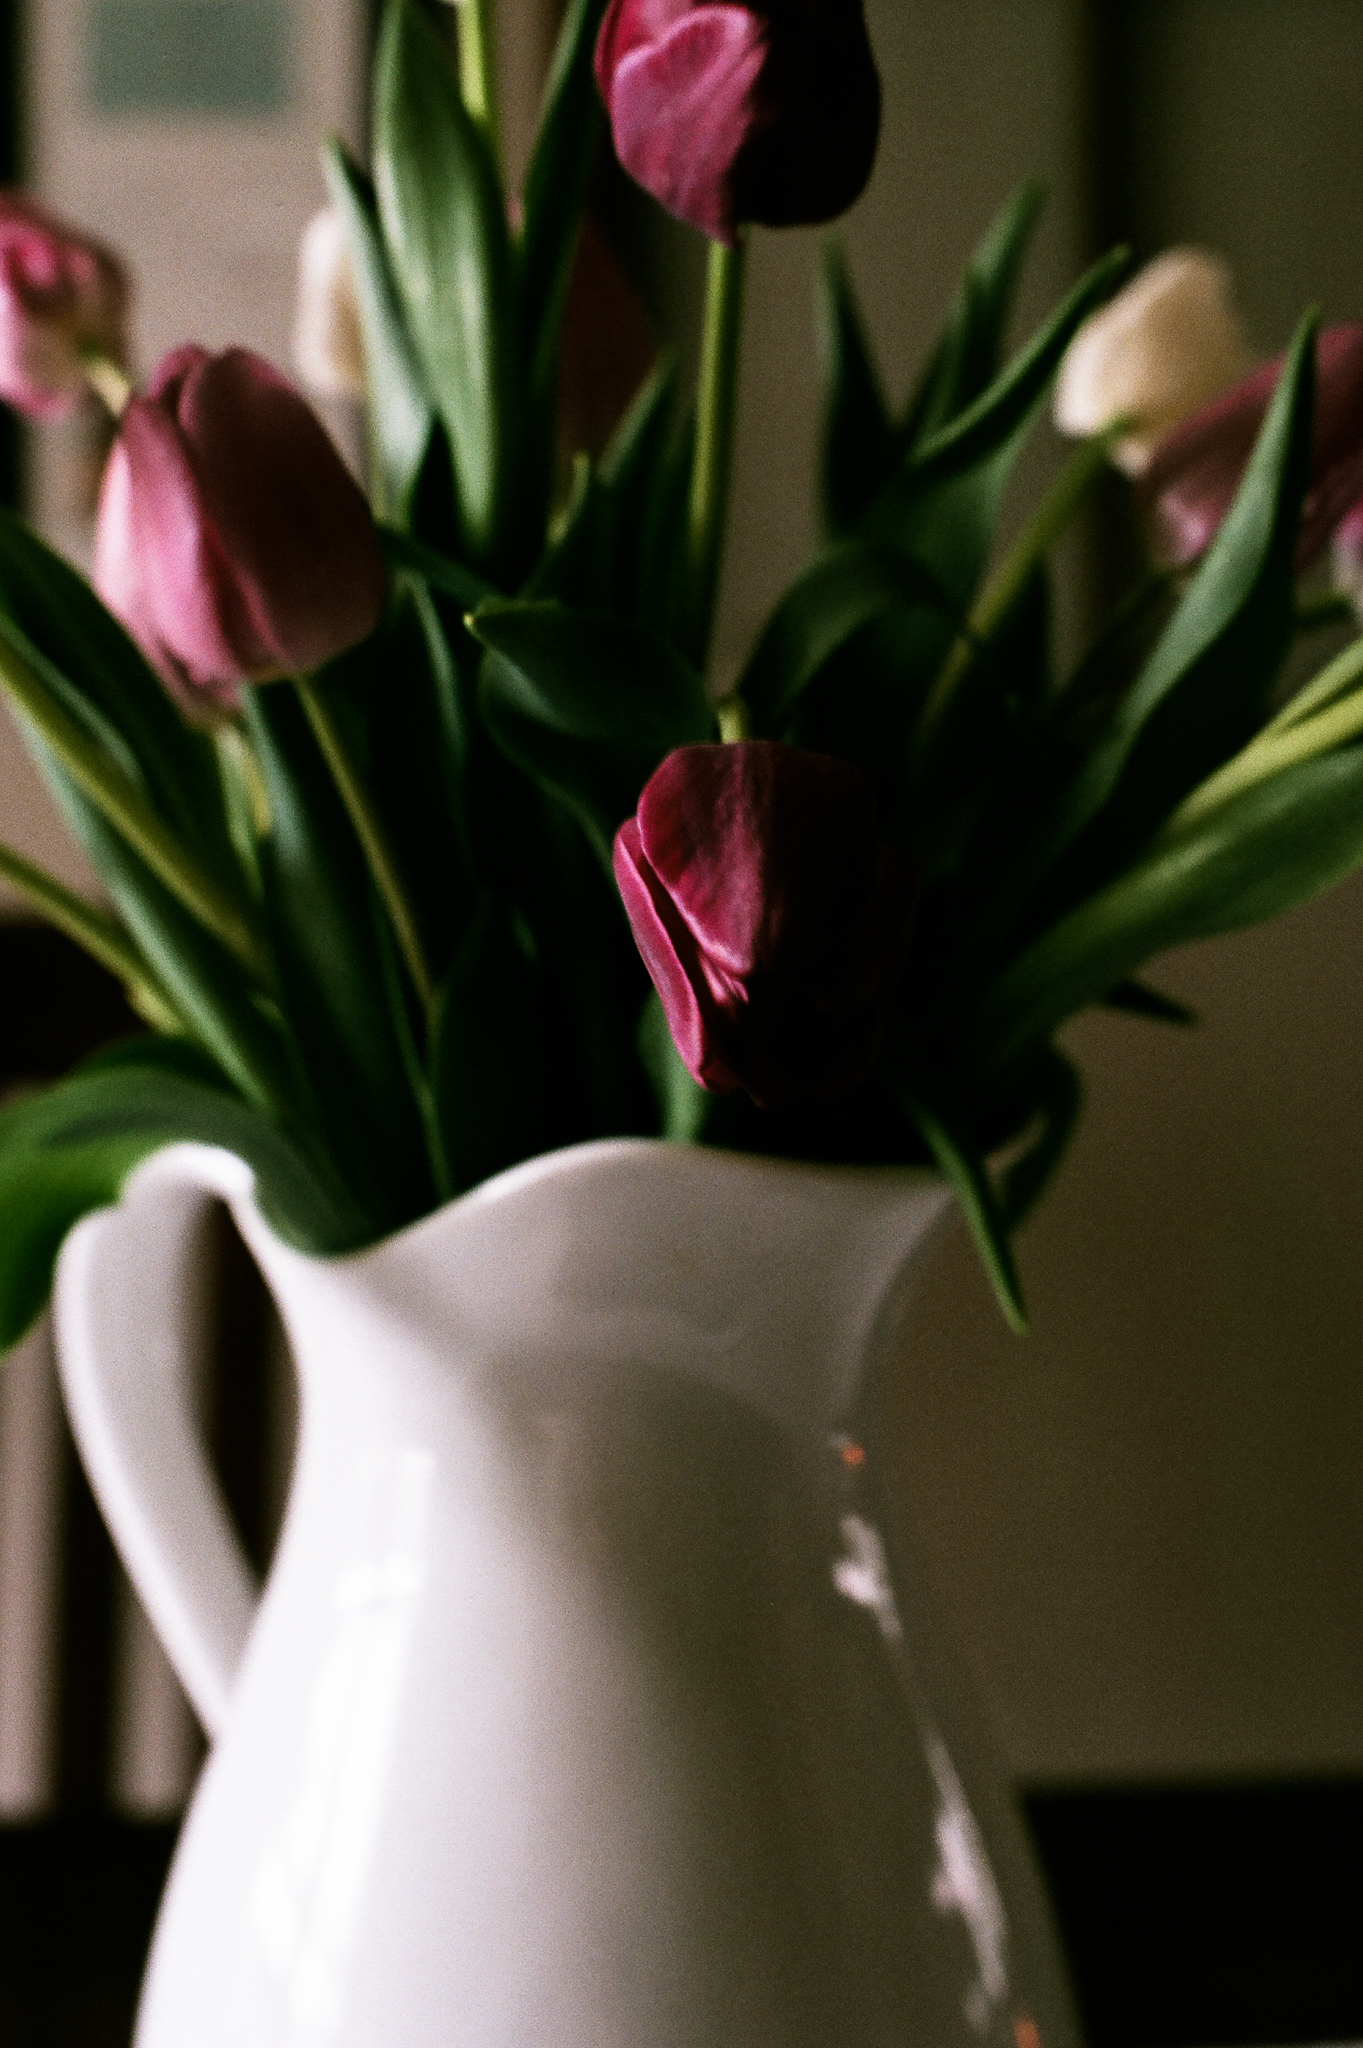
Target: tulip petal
[289,517]
[682,106]
[630,25]
[769,913]
[185,580]
[665,943]
[1197,466]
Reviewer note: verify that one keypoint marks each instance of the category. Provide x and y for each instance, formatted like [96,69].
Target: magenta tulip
[62,297]
[232,541]
[726,113]
[1196,467]
[770,913]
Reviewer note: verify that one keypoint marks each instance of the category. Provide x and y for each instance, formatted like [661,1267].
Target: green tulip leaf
[441,572]
[1206,687]
[966,360]
[488,1058]
[860,447]
[942,505]
[1278,843]
[638,510]
[980,1203]
[849,588]
[575,568]
[588,704]
[69,1149]
[400,414]
[444,223]
[321,916]
[555,188]
[205,984]
[1059,1101]
[1007,404]
[100,677]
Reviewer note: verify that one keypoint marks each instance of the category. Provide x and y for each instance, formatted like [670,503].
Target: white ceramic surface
[582,1708]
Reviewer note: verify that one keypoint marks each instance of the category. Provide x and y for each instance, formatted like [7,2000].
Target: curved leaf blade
[966,359]
[101,677]
[1205,689]
[444,222]
[1276,845]
[859,444]
[588,704]
[556,187]
[847,589]
[69,1150]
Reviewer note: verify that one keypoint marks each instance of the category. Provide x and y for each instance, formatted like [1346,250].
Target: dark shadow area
[1209,1915]
[56,1005]
[77,1900]
[1193,1916]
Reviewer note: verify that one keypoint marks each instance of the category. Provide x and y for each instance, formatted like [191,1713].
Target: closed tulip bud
[1169,341]
[63,298]
[328,347]
[767,111]
[232,541]
[1196,468]
[770,914]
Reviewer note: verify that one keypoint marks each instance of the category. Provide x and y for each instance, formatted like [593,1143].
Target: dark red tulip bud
[770,913]
[233,542]
[1196,468]
[767,111]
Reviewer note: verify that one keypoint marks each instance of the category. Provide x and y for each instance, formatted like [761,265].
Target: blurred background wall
[1145,1523]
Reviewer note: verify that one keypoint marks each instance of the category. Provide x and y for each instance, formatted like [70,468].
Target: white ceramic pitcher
[583,1707]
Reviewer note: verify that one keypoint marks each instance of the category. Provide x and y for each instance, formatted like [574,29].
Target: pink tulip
[1196,467]
[232,541]
[770,914]
[61,297]
[767,111]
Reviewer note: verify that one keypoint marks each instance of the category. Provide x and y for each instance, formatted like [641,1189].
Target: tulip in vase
[589,1063]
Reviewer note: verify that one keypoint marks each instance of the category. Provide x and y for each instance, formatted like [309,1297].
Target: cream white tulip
[1169,341]
[328,349]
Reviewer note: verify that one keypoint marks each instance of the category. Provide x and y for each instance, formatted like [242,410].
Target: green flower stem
[98,935]
[478,66]
[108,380]
[1283,744]
[735,720]
[372,838]
[716,405]
[128,811]
[1050,520]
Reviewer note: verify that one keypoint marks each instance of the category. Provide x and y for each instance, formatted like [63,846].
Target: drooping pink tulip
[764,111]
[232,541]
[770,914]
[1196,468]
[61,295]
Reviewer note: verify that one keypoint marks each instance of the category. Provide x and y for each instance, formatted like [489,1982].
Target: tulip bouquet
[427,845]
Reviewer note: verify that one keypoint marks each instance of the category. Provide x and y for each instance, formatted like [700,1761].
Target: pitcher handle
[121,1312]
